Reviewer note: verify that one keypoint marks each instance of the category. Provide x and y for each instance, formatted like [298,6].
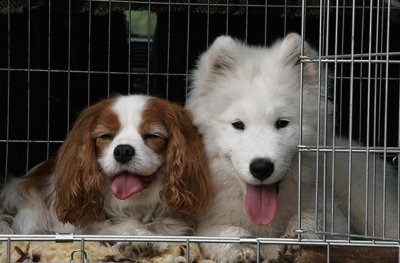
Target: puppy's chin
[126,184]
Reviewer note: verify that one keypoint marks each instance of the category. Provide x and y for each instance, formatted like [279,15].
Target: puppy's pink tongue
[125,185]
[261,202]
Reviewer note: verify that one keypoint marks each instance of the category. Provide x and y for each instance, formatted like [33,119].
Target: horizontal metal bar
[305,148]
[355,61]
[211,4]
[364,55]
[223,4]
[198,239]
[91,72]
[31,141]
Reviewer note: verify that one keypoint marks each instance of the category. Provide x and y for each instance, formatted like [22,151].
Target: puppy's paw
[240,254]
[271,253]
[135,250]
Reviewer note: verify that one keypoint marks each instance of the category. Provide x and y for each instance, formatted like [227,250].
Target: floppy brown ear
[79,197]
[187,187]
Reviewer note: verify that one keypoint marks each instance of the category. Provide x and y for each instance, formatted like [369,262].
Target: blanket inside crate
[48,251]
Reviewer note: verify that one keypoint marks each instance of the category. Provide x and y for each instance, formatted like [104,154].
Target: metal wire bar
[8,91]
[168,48]
[222,4]
[398,168]
[28,102]
[130,46]
[89,51]
[334,118]
[367,151]
[199,239]
[326,125]
[317,159]
[48,79]
[350,165]
[69,66]
[361,73]
[109,49]
[187,49]
[346,149]
[149,37]
[265,22]
[301,91]
[386,118]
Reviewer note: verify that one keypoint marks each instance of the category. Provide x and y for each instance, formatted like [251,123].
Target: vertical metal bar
[187,247]
[247,21]
[48,82]
[398,164]
[83,249]
[367,170]
[266,22]
[8,240]
[328,253]
[317,160]
[28,120]
[8,90]
[334,117]
[109,49]
[208,24]
[187,51]
[386,118]
[227,18]
[168,46]
[375,121]
[300,168]
[285,17]
[149,41]
[89,51]
[69,66]
[129,44]
[361,74]
[326,110]
[258,251]
[351,116]
[380,72]
[341,68]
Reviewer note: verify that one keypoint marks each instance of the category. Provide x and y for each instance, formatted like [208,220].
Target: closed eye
[150,136]
[106,136]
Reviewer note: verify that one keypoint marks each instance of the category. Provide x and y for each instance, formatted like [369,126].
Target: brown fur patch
[37,180]
[79,199]
[186,184]
[106,128]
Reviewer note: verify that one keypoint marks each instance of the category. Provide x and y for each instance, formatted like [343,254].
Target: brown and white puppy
[131,165]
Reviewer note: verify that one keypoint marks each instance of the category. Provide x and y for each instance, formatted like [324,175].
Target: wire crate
[57,57]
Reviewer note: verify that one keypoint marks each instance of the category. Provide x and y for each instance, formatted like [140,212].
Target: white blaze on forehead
[129,109]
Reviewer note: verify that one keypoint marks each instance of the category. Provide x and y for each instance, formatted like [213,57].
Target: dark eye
[281,123]
[238,125]
[149,136]
[106,136]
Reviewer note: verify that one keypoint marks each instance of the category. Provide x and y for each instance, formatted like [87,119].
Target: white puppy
[246,102]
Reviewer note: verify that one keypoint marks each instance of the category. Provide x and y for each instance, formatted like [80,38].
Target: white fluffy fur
[259,85]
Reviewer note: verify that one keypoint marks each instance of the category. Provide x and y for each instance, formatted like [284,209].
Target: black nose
[261,168]
[123,153]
